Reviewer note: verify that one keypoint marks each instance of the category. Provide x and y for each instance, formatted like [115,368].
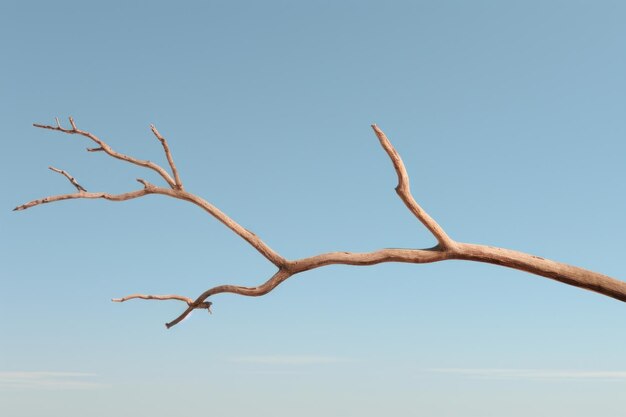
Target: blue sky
[508,115]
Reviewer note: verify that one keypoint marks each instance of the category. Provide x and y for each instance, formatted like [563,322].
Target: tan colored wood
[446,248]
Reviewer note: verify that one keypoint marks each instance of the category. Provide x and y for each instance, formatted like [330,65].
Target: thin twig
[69,177]
[153,297]
[168,154]
[106,148]
[404,191]
[87,195]
[196,305]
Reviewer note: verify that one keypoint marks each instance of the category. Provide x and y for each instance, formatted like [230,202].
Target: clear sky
[509,117]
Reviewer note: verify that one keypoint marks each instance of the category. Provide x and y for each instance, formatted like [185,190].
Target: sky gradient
[509,117]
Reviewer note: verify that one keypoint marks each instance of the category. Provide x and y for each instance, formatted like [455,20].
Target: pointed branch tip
[69,178]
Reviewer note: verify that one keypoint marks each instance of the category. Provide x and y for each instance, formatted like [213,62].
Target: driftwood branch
[446,248]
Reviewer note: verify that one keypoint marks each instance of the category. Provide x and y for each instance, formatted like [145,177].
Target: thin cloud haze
[286,359]
[47,380]
[533,374]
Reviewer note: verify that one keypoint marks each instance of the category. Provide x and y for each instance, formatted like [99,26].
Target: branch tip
[69,178]
[170,160]
[403,189]
[156,133]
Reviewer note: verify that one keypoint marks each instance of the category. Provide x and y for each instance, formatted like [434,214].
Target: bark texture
[446,248]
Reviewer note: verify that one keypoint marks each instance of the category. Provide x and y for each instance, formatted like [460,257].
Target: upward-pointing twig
[106,148]
[69,177]
[404,191]
[169,157]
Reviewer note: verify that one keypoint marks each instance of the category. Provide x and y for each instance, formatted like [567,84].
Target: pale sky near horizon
[509,117]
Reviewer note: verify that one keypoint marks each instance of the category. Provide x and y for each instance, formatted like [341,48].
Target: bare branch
[168,154]
[244,233]
[557,271]
[69,177]
[176,191]
[404,191]
[567,274]
[82,194]
[446,248]
[153,297]
[73,124]
[199,305]
[106,148]
[263,289]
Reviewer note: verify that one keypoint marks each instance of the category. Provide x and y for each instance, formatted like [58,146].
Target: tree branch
[176,191]
[189,301]
[263,289]
[106,148]
[168,155]
[69,177]
[244,233]
[153,297]
[404,191]
[446,249]
[83,194]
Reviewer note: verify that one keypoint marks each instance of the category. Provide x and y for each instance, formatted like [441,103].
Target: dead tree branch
[102,146]
[404,191]
[168,155]
[446,248]
[69,177]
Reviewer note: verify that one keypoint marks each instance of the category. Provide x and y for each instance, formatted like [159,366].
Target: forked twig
[106,148]
[445,249]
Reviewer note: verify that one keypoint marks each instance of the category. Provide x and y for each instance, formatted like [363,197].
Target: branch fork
[445,249]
